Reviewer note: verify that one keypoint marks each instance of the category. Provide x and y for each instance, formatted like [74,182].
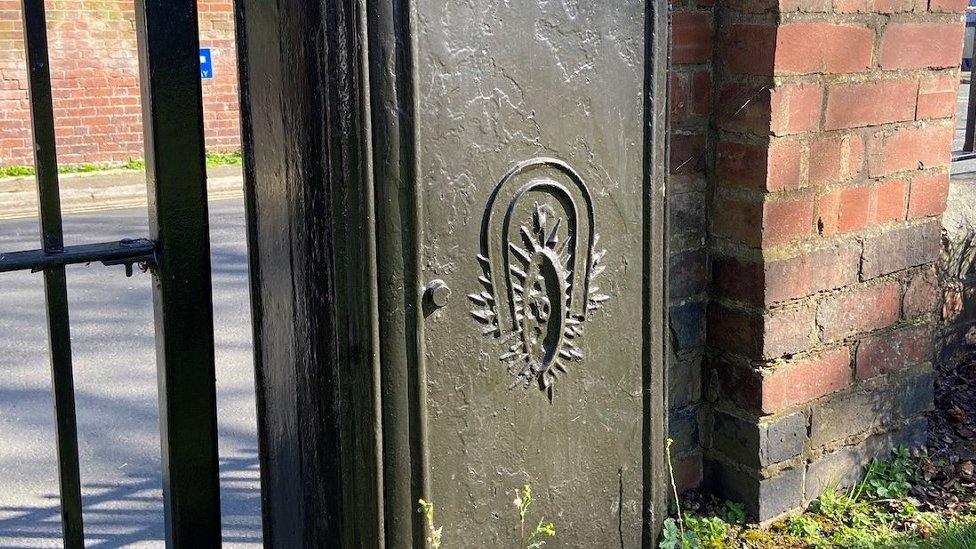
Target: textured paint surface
[502,82]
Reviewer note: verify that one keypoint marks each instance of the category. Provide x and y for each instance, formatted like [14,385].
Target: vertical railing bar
[969,143]
[55,288]
[172,111]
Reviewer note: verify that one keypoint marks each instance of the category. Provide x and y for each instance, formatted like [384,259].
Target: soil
[948,468]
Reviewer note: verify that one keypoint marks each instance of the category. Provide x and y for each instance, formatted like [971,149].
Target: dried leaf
[957,414]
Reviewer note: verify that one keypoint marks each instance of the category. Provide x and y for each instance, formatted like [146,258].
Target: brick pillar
[833,126]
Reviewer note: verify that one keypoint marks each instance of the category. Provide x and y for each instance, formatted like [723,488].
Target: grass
[878,512]
[134,164]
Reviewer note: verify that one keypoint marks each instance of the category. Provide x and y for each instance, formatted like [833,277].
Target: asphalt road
[115,388]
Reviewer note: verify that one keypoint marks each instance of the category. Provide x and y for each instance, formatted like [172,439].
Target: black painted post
[375,149]
[176,175]
[313,280]
[55,290]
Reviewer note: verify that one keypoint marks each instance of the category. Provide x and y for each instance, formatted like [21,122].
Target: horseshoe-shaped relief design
[539,263]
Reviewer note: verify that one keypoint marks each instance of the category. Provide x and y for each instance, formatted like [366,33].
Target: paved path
[104,190]
[115,385]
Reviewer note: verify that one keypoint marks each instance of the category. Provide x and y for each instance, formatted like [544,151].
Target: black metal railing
[177,253]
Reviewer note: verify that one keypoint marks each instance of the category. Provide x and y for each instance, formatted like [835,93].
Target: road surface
[115,388]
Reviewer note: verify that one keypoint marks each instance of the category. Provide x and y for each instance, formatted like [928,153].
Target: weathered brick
[744,108]
[688,472]
[739,279]
[844,467]
[683,428]
[741,164]
[738,219]
[772,166]
[750,48]
[835,158]
[686,217]
[838,469]
[864,407]
[919,45]
[759,442]
[687,152]
[807,6]
[874,6]
[688,275]
[845,210]
[909,148]
[773,281]
[854,208]
[795,108]
[927,195]
[823,269]
[701,92]
[688,324]
[891,197]
[893,351]
[911,434]
[763,498]
[921,294]
[899,249]
[684,379]
[759,336]
[679,98]
[783,164]
[810,47]
[864,309]
[806,378]
[686,183]
[937,96]
[691,37]
[786,220]
[797,381]
[786,331]
[785,437]
[917,395]
[777,6]
[948,6]
[752,6]
[871,102]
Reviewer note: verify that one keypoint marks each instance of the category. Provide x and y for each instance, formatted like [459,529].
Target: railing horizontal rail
[126,252]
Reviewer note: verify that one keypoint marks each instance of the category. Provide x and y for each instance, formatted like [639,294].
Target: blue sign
[206,63]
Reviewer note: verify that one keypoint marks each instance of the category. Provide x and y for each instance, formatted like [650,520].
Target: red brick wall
[95,81]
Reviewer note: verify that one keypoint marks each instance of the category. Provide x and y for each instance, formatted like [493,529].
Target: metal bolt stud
[437,293]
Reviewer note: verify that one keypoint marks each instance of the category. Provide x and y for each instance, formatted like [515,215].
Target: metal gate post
[969,139]
[172,110]
[338,201]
